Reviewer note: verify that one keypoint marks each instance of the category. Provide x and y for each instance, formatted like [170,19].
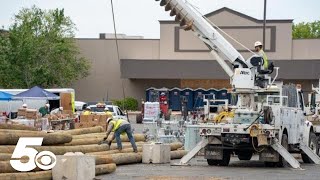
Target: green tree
[306,30]
[40,49]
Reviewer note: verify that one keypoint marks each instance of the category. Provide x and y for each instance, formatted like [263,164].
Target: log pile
[79,140]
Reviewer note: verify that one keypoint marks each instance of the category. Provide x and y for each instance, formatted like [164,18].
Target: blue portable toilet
[188,93]
[148,92]
[174,99]
[198,97]
[222,94]
[213,93]
[152,95]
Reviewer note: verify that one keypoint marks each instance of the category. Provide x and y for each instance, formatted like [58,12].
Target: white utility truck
[268,118]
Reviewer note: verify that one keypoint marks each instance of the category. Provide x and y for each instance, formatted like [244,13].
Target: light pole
[264,23]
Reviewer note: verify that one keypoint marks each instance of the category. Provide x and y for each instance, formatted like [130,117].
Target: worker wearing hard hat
[107,111]
[24,106]
[87,111]
[44,110]
[258,47]
[57,111]
[120,126]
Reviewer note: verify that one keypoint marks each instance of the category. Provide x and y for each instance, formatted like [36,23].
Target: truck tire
[224,162]
[284,142]
[245,155]
[213,162]
[313,144]
[139,118]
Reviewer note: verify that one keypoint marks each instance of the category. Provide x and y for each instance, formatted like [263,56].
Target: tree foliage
[306,30]
[40,49]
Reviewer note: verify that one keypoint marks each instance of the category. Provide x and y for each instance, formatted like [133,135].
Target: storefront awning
[208,69]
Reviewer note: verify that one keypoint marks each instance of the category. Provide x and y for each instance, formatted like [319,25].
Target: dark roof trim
[238,14]
[114,39]
[208,69]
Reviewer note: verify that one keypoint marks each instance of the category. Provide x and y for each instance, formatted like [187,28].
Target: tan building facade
[179,59]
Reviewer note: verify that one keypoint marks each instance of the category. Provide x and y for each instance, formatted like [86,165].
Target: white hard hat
[47,104]
[61,108]
[24,105]
[257,43]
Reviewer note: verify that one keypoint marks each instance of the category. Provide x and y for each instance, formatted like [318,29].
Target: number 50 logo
[47,158]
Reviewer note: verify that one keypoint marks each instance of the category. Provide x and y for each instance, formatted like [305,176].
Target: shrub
[128,103]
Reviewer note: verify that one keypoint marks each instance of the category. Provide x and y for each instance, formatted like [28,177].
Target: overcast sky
[140,17]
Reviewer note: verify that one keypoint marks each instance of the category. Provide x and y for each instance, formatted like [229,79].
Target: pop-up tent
[36,93]
[5,96]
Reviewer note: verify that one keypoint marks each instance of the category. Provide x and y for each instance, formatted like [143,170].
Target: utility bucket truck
[268,117]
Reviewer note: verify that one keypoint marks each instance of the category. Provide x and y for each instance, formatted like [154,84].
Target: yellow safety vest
[109,114]
[265,59]
[116,124]
[86,113]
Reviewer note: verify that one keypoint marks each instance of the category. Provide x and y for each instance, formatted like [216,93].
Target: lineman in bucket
[119,126]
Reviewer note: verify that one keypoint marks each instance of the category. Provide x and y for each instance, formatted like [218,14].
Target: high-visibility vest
[265,59]
[116,124]
[86,113]
[109,114]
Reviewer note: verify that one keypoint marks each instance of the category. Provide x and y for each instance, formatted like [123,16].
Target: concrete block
[74,167]
[155,153]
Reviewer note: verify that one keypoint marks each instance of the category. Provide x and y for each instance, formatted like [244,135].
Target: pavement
[199,169]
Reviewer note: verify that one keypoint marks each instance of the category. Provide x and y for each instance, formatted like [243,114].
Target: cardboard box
[26,122]
[69,112]
[96,117]
[31,114]
[79,125]
[22,112]
[86,118]
[103,118]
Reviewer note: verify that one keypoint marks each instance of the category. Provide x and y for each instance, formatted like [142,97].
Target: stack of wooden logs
[78,140]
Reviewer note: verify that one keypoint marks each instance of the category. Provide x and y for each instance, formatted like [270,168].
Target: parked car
[117,113]
[80,106]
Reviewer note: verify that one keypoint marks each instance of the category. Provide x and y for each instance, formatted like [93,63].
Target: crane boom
[246,74]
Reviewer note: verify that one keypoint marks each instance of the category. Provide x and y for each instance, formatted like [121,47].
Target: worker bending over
[119,126]
[57,111]
[258,47]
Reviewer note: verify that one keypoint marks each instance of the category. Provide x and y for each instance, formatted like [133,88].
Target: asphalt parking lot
[237,170]
[199,169]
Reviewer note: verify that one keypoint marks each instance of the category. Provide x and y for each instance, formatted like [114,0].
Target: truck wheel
[244,155]
[313,144]
[270,164]
[139,118]
[226,158]
[213,162]
[224,162]
[284,142]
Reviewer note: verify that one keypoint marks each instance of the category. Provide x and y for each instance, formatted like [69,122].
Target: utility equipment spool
[262,140]
[254,130]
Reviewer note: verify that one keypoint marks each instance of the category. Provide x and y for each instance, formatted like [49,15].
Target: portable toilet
[213,93]
[148,92]
[153,95]
[223,94]
[174,99]
[188,93]
[198,97]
